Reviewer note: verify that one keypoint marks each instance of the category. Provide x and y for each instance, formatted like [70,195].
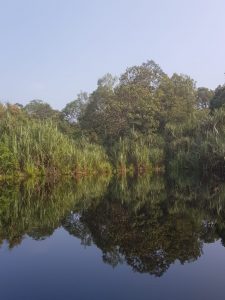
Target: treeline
[143,119]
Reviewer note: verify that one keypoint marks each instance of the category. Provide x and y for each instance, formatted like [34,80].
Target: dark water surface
[145,238]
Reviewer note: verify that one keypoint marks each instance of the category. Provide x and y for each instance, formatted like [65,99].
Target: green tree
[177,98]
[40,110]
[219,98]
[73,110]
[149,74]
[204,96]
[115,110]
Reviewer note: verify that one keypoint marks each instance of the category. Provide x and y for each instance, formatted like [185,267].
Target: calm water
[145,238]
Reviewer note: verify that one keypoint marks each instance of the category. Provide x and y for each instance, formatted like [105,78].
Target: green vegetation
[37,208]
[147,222]
[143,120]
[35,147]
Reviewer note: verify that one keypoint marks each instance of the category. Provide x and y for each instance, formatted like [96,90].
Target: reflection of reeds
[139,190]
[37,208]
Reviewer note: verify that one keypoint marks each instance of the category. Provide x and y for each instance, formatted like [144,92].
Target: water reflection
[147,222]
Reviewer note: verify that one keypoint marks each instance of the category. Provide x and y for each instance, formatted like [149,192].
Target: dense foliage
[141,120]
[35,147]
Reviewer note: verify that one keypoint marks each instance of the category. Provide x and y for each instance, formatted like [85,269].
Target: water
[144,238]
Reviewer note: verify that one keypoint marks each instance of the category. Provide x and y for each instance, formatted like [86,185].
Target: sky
[53,49]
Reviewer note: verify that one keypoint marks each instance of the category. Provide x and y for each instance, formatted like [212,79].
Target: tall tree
[204,96]
[73,110]
[218,99]
[40,110]
[149,74]
[177,98]
[113,111]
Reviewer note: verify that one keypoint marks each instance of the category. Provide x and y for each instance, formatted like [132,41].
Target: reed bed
[38,148]
[135,154]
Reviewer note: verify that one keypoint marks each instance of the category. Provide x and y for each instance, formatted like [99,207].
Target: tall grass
[199,143]
[138,153]
[37,147]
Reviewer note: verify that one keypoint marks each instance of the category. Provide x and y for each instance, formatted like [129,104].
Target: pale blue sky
[53,49]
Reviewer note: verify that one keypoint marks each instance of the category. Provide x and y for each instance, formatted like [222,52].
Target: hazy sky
[53,49]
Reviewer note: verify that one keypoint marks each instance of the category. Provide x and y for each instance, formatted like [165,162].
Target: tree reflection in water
[147,222]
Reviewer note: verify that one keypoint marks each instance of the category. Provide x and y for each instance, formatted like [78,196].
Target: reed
[37,148]
[136,154]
